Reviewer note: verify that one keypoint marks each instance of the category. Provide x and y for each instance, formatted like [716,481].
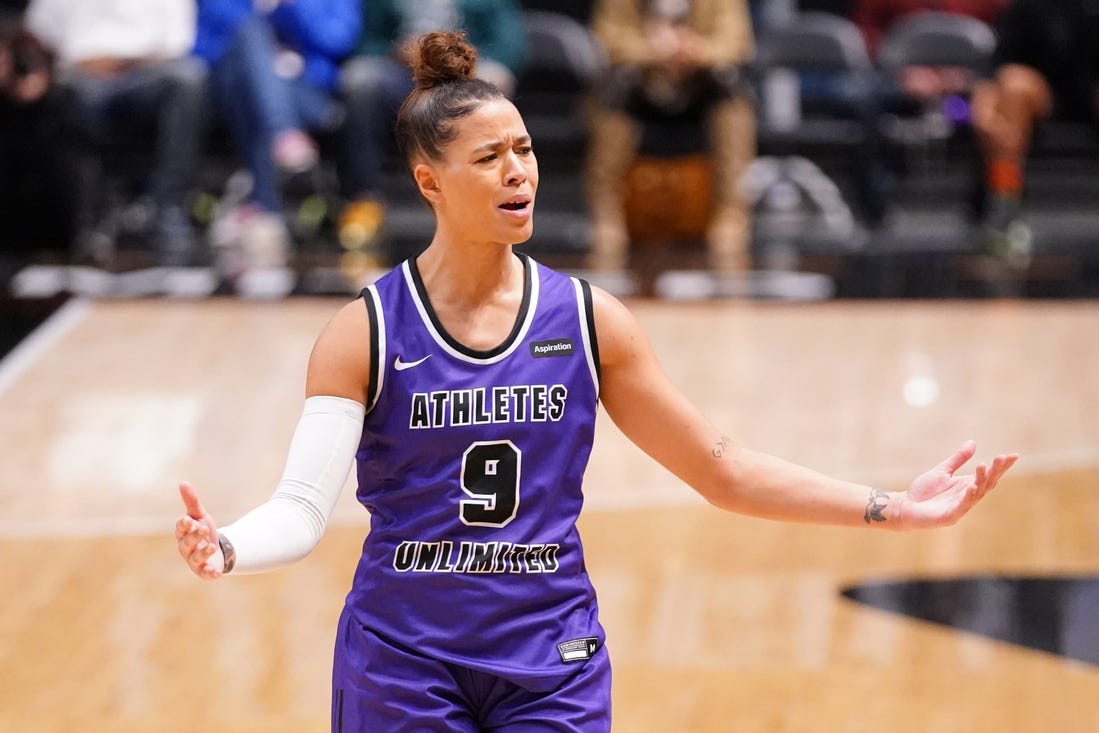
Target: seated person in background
[33,205]
[875,17]
[26,65]
[1047,68]
[917,92]
[921,85]
[669,59]
[127,71]
[378,78]
[274,67]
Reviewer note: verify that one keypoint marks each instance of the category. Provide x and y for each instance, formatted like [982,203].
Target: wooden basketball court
[714,622]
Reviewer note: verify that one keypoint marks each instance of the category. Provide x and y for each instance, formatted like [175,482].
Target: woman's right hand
[197,537]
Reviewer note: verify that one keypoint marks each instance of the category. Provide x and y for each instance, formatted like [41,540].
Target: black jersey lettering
[558,393]
[483,557]
[475,557]
[439,402]
[481,415]
[420,418]
[428,556]
[538,402]
[518,403]
[404,556]
[461,403]
[520,393]
[501,404]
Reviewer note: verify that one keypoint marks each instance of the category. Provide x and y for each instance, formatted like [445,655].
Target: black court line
[1057,614]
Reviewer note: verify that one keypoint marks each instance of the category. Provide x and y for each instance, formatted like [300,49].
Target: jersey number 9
[490,477]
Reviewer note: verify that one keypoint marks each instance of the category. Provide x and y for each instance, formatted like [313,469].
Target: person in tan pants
[671,58]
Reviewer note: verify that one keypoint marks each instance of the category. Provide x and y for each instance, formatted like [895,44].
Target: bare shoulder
[618,331]
[340,362]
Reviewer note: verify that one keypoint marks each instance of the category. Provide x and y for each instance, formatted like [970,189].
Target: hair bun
[438,58]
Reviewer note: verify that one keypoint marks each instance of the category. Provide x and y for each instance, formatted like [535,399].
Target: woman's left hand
[939,498]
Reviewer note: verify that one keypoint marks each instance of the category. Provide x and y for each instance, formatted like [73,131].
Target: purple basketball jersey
[471,465]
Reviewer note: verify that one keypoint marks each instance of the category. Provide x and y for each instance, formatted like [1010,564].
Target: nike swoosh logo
[402,365]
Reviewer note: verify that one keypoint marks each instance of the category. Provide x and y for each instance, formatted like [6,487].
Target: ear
[427,182]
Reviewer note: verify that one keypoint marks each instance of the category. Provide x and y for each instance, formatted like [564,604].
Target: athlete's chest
[430,390]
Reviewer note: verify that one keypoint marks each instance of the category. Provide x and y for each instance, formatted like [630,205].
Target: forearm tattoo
[721,446]
[875,506]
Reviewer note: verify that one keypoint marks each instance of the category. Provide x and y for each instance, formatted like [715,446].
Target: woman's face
[483,188]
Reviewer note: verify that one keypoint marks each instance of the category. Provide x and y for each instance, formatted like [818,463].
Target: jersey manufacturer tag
[578,650]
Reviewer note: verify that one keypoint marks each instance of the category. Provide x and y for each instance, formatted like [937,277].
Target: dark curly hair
[443,68]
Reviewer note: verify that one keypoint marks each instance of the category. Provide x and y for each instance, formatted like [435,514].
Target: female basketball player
[466,383]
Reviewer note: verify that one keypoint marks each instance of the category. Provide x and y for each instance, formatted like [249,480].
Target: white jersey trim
[380,340]
[425,318]
[585,332]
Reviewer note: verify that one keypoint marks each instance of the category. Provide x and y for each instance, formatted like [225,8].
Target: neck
[469,274]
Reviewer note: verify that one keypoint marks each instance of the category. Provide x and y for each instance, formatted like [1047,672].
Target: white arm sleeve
[290,524]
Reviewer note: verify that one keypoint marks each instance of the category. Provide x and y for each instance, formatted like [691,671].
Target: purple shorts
[379,687]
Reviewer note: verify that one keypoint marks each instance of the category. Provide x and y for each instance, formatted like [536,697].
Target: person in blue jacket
[377,78]
[274,69]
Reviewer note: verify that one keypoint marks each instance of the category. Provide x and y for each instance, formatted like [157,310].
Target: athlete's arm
[290,524]
[340,363]
[652,413]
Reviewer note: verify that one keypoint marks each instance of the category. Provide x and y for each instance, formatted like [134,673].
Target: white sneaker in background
[265,241]
[252,249]
[266,283]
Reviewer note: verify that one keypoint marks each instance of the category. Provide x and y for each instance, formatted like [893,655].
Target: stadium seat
[938,40]
[564,61]
[817,113]
[809,70]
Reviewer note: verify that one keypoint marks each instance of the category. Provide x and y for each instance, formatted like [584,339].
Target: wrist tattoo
[721,446]
[875,506]
[229,552]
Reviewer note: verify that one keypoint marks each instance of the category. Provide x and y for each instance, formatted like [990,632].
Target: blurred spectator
[924,101]
[875,17]
[377,80]
[921,83]
[26,65]
[274,68]
[672,59]
[33,206]
[1047,68]
[126,71]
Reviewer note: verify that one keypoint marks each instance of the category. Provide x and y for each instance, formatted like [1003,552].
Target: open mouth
[519,203]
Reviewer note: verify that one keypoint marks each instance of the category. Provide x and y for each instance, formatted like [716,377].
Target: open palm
[939,498]
[196,536]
